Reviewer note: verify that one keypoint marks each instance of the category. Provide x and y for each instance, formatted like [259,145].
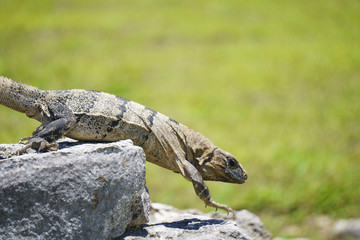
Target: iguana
[97,116]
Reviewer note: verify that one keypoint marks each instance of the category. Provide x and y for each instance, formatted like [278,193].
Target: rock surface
[347,228]
[248,222]
[96,191]
[82,191]
[167,222]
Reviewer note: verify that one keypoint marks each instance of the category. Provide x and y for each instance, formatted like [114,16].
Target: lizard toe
[38,144]
[24,139]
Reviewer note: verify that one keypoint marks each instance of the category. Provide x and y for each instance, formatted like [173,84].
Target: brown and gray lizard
[102,117]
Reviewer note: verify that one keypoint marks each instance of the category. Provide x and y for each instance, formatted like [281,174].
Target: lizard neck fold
[19,96]
[198,146]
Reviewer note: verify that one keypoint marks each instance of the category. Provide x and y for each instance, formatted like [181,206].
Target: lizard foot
[37,143]
[203,192]
[210,202]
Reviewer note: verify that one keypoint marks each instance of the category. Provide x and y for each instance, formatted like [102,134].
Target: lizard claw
[37,143]
[210,202]
[24,139]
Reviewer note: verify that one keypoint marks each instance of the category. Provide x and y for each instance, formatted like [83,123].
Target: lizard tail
[19,96]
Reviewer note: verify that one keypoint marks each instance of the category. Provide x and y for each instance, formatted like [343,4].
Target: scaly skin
[102,117]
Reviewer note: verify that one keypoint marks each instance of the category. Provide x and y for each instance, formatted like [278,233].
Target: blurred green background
[276,83]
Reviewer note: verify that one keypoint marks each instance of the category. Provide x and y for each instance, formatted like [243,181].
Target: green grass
[276,83]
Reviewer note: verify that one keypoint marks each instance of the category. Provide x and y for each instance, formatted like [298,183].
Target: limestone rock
[248,222]
[167,222]
[347,228]
[187,226]
[82,191]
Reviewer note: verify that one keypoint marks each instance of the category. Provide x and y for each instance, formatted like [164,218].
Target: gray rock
[82,191]
[8,150]
[187,226]
[167,222]
[248,222]
[347,228]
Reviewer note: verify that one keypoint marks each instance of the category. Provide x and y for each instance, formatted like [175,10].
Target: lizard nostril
[244,175]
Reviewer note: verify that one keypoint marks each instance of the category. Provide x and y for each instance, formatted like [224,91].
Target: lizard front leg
[58,120]
[193,175]
[204,194]
[44,137]
[38,143]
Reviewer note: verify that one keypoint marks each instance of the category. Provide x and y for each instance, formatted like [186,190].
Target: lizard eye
[231,162]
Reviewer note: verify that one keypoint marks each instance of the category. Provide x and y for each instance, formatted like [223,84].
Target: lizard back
[125,119]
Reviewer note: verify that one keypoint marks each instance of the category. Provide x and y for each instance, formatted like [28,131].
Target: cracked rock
[82,191]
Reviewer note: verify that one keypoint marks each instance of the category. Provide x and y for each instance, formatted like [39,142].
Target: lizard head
[218,165]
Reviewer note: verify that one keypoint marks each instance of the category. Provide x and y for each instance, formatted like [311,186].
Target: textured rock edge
[167,222]
[29,164]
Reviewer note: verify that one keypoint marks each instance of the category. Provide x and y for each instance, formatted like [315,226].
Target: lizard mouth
[238,176]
